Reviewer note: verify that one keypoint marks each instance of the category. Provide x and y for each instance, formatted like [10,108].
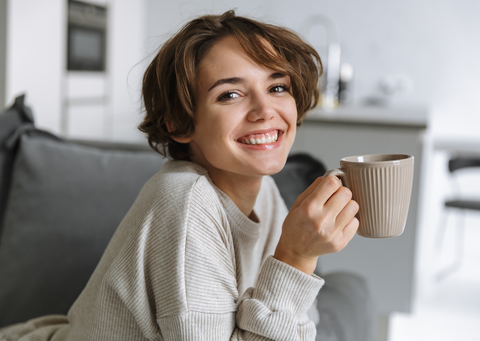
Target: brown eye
[228,96]
[279,88]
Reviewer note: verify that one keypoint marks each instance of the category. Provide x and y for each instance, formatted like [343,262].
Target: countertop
[417,117]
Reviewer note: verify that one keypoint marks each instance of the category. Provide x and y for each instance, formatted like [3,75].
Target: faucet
[329,99]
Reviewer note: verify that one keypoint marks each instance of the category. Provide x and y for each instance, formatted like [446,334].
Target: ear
[179,139]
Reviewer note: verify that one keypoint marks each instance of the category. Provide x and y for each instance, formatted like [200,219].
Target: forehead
[227,56]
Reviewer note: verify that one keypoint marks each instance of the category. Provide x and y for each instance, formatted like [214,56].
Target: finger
[325,189]
[345,235]
[307,192]
[350,230]
[337,202]
[347,214]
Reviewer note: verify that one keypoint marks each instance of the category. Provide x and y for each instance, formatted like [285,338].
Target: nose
[261,108]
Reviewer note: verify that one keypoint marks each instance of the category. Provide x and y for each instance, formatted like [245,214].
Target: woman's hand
[321,221]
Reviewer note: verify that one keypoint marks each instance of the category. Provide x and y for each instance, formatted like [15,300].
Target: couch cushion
[10,120]
[65,203]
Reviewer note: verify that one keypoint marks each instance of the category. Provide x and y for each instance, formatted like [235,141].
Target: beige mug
[381,184]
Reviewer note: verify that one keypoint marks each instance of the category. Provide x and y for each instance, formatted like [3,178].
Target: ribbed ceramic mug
[381,184]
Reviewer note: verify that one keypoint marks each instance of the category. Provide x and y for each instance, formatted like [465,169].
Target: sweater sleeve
[275,309]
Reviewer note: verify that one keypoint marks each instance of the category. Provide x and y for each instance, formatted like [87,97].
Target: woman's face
[246,115]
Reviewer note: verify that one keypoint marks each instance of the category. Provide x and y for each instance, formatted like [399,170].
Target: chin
[273,168]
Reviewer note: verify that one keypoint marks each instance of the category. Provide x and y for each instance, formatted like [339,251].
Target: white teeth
[261,140]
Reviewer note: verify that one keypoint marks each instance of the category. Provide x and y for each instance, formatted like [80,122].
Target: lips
[261,138]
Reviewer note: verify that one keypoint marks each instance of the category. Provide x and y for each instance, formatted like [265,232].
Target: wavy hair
[169,83]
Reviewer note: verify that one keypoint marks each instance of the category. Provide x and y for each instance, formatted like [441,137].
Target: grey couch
[61,201]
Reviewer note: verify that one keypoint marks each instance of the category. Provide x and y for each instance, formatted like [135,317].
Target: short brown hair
[169,83]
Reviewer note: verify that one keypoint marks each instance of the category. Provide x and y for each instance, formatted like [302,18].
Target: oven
[87,37]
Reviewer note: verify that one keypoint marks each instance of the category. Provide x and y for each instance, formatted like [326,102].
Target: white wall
[126,54]
[3,49]
[35,57]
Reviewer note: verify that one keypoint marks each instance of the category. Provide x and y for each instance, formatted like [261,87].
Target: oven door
[86,48]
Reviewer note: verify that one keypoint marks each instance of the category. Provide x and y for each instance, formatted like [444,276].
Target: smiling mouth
[266,138]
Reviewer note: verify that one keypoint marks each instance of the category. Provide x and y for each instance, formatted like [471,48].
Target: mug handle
[339,173]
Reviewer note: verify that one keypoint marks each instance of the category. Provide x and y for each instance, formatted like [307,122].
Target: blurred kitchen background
[399,64]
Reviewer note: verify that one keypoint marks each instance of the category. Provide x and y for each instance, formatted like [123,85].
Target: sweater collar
[245,223]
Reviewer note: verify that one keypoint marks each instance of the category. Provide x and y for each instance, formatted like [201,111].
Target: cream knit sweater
[187,264]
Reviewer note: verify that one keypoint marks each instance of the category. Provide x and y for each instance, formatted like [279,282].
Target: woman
[208,251]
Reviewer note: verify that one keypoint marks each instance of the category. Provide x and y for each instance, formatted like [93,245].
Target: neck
[242,189]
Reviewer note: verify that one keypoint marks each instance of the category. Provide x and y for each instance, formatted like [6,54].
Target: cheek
[216,129]
[226,121]
[290,112]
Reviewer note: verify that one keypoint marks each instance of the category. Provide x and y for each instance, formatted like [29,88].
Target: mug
[381,184]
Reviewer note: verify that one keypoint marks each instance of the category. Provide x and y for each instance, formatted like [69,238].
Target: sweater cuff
[282,287]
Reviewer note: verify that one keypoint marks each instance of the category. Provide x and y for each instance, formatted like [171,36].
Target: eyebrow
[237,80]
